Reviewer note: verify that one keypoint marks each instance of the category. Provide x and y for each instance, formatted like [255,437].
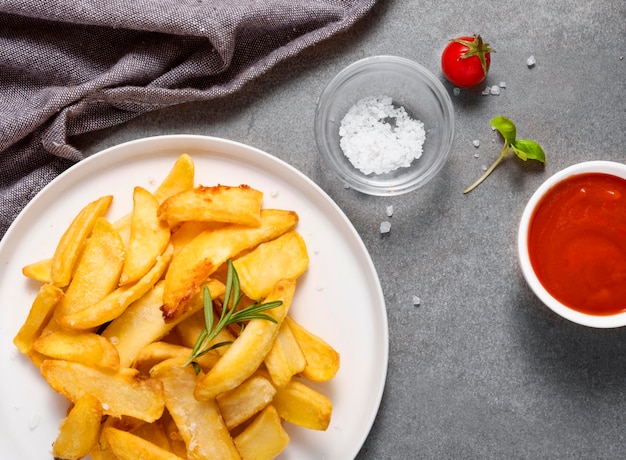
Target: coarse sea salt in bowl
[385,125]
[572,243]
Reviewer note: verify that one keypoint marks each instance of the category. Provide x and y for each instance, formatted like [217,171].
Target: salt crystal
[416,301]
[274,193]
[456,91]
[105,406]
[495,90]
[385,227]
[484,168]
[486,91]
[389,210]
[502,84]
[476,143]
[378,137]
[33,422]
[476,155]
[531,61]
[114,340]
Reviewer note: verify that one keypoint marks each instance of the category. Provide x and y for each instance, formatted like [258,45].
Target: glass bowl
[409,85]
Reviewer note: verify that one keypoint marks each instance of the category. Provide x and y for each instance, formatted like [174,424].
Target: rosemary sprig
[229,315]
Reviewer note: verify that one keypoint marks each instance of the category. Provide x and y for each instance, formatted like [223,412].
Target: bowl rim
[441,95]
[592,166]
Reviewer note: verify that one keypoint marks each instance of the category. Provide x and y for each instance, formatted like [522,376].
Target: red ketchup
[577,243]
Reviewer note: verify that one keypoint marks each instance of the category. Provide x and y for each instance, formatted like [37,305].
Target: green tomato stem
[505,150]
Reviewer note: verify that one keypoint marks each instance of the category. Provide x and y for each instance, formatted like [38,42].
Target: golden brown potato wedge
[199,422]
[281,258]
[221,203]
[79,431]
[192,265]
[87,348]
[39,271]
[243,402]
[156,352]
[285,359]
[97,272]
[120,393]
[128,446]
[264,439]
[71,243]
[247,352]
[38,317]
[114,304]
[322,360]
[180,178]
[301,405]
[149,236]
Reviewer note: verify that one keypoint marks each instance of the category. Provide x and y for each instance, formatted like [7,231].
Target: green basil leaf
[527,149]
[506,128]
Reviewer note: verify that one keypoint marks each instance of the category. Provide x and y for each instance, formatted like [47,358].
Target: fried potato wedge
[39,271]
[71,243]
[210,249]
[264,439]
[87,348]
[301,405]
[149,236]
[247,352]
[120,393]
[79,431]
[221,203]
[38,317]
[156,352]
[128,446]
[200,423]
[281,258]
[142,322]
[322,360]
[97,272]
[187,231]
[180,178]
[243,402]
[114,304]
[285,359]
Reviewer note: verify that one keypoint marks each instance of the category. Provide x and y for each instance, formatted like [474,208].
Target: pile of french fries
[120,308]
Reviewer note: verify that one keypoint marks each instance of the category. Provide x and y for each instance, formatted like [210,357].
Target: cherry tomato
[465,61]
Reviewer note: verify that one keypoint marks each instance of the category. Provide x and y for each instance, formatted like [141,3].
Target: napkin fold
[69,67]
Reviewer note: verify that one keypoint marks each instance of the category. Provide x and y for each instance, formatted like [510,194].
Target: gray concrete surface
[481,369]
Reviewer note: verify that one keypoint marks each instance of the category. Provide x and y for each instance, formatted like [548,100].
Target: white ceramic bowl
[610,321]
[411,86]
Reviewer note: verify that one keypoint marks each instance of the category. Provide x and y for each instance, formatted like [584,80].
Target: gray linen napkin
[72,66]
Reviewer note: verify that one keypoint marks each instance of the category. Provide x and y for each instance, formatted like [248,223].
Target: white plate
[339,298]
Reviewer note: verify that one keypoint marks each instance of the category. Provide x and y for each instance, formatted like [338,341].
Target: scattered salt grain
[416,301]
[495,90]
[476,143]
[33,422]
[379,137]
[105,406]
[389,210]
[274,193]
[114,340]
[531,61]
[456,91]
[476,155]
[502,84]
[385,227]
[483,167]
[486,91]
